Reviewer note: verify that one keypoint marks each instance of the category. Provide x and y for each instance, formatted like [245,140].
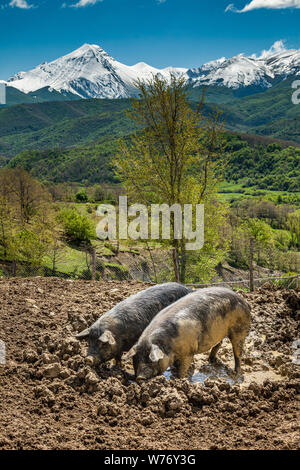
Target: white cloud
[268,4]
[84,3]
[20,4]
[276,48]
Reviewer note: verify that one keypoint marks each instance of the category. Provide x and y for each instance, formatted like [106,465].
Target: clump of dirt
[55,397]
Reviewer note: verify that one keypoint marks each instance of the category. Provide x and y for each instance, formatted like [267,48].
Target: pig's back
[200,305]
[143,306]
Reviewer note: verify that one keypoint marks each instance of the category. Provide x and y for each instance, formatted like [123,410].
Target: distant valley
[69,113]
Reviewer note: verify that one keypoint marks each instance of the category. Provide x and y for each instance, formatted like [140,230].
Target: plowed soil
[52,397]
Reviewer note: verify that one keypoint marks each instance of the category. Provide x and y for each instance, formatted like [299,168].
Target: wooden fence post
[176,265]
[14,268]
[93,259]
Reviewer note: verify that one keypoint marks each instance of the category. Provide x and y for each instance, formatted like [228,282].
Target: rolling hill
[64,124]
[61,124]
[255,162]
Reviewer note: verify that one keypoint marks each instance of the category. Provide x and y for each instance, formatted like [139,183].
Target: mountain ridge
[90,72]
[63,124]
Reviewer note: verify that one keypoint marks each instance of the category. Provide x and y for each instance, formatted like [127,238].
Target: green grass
[71,261]
[230,190]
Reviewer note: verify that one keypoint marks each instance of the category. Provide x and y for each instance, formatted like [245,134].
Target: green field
[229,191]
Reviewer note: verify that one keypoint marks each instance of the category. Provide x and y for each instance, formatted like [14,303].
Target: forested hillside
[255,163]
[60,124]
[63,124]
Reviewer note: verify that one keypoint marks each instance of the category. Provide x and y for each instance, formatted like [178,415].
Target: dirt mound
[53,397]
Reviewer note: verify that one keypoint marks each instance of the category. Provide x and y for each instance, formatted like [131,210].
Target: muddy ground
[51,397]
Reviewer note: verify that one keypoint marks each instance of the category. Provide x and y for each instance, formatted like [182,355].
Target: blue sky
[183,33]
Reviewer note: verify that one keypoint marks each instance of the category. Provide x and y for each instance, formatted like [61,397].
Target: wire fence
[148,265]
[289,282]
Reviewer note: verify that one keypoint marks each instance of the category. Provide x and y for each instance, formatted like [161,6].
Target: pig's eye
[102,345]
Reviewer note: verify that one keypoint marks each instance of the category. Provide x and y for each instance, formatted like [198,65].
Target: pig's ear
[107,337]
[130,353]
[156,353]
[84,334]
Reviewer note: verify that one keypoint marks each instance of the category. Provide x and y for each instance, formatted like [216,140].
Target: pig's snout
[141,378]
[89,360]
[92,359]
[144,373]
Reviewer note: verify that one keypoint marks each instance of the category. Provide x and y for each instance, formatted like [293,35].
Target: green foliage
[269,113]
[283,239]
[176,158]
[118,271]
[99,193]
[275,244]
[111,247]
[61,124]
[75,140]
[293,224]
[201,266]
[264,167]
[89,164]
[15,96]
[29,247]
[77,227]
[81,196]
[287,283]
[259,230]
[255,164]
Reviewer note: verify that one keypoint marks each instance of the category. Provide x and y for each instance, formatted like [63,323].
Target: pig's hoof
[231,373]
[128,375]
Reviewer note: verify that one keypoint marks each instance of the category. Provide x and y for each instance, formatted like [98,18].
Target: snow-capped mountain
[242,71]
[89,72]
[285,63]
[239,71]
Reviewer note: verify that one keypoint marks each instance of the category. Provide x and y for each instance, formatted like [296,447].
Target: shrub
[99,194]
[77,227]
[81,196]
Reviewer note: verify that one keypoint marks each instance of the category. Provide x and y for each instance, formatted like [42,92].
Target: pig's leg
[184,365]
[237,346]
[118,360]
[213,352]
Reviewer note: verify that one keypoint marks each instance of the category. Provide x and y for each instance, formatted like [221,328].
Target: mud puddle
[223,372]
[208,372]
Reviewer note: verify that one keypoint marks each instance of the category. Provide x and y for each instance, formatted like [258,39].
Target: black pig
[119,329]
